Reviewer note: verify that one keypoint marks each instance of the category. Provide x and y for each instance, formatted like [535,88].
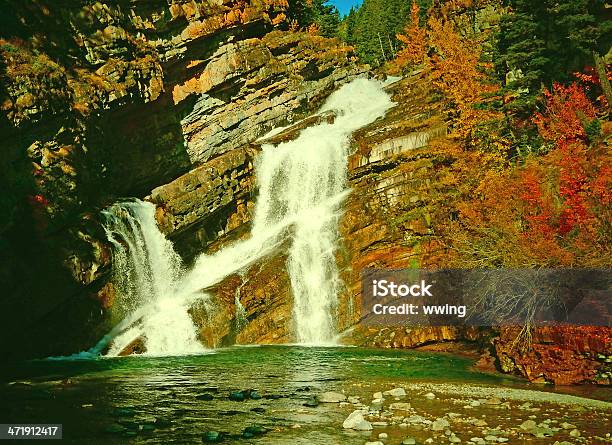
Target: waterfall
[302,184]
[146,270]
[304,181]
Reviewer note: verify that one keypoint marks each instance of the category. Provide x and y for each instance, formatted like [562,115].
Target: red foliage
[573,185]
[568,109]
[583,175]
[40,199]
[538,208]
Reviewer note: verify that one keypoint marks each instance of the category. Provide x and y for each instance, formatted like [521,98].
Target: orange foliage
[590,78]
[456,70]
[454,65]
[414,39]
[567,111]
[583,173]
[553,211]
[313,29]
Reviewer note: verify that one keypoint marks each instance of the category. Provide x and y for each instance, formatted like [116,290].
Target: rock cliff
[397,177]
[103,100]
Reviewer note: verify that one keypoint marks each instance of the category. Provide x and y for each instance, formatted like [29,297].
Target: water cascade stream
[301,186]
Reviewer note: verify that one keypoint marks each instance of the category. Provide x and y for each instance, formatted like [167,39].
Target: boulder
[356,421]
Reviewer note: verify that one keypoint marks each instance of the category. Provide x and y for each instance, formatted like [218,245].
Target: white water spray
[301,186]
[146,270]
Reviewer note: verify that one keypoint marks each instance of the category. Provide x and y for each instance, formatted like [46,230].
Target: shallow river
[164,399]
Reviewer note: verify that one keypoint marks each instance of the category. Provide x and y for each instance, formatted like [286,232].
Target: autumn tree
[373,28]
[414,39]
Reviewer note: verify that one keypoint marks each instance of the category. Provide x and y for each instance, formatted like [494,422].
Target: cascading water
[146,271]
[301,186]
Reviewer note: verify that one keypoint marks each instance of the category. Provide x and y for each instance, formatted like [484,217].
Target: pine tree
[373,28]
[543,41]
[314,12]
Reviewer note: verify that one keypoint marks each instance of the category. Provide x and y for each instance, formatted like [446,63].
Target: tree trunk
[382,49]
[603,79]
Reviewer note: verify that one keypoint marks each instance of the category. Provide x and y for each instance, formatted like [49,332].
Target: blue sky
[344,6]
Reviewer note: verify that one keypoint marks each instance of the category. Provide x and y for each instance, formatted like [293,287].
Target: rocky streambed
[298,395]
[418,413]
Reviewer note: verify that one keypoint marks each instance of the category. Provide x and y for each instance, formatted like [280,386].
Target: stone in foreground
[356,421]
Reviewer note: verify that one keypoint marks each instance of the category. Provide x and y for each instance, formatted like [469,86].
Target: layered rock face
[562,355]
[104,100]
[397,192]
[386,219]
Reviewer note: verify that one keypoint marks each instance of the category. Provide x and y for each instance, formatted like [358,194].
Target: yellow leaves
[454,66]
[279,19]
[313,29]
[415,41]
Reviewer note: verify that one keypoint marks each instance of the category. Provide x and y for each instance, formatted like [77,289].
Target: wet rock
[563,355]
[400,406]
[124,412]
[332,397]
[312,402]
[356,421]
[255,395]
[378,442]
[396,392]
[574,433]
[440,424]
[258,410]
[415,419]
[409,441]
[528,425]
[147,428]
[541,432]
[493,401]
[454,439]
[212,437]
[130,425]
[162,423]
[237,396]
[377,403]
[255,430]
[430,396]
[206,396]
[567,426]
[230,412]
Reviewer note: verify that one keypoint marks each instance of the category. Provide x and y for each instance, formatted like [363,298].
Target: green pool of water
[162,399]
